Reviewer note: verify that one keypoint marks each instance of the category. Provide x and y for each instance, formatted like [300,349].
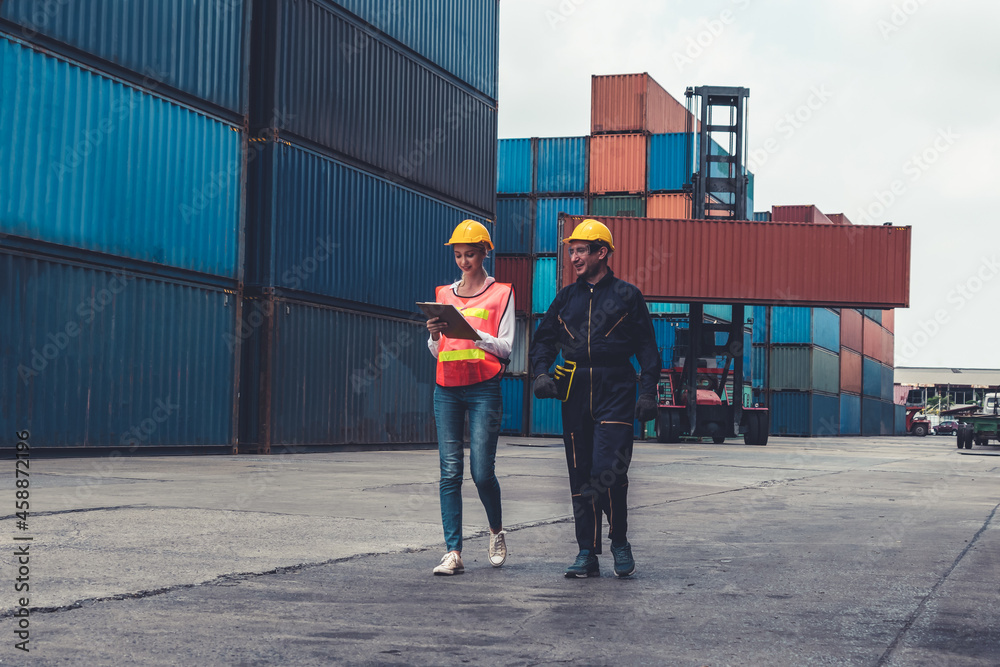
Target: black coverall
[600,327]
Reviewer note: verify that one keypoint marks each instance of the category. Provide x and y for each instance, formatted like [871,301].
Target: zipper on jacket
[568,332]
[616,324]
[612,422]
[590,326]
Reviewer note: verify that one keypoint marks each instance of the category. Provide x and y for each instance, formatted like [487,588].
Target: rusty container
[633,103]
[871,344]
[850,371]
[851,329]
[799,213]
[517,271]
[671,205]
[617,163]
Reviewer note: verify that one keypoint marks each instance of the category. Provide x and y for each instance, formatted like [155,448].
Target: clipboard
[458,326]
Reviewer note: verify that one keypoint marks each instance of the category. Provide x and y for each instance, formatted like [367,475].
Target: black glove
[645,408]
[544,387]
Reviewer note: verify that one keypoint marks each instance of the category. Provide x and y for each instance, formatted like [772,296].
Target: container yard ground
[826,551]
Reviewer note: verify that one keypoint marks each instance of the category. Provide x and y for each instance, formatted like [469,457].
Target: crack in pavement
[941,580]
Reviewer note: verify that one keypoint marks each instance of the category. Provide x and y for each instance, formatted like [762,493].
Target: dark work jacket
[603,325]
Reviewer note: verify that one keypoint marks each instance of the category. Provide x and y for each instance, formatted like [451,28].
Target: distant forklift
[916,423]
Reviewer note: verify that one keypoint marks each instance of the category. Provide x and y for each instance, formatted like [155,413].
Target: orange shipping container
[633,103]
[673,205]
[850,371]
[767,263]
[871,344]
[617,163]
[851,329]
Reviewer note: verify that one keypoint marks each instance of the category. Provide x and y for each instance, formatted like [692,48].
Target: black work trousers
[597,431]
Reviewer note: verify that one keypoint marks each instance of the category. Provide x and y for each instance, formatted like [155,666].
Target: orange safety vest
[460,362]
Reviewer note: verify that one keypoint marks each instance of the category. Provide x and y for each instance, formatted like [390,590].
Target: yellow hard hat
[591,230]
[470,231]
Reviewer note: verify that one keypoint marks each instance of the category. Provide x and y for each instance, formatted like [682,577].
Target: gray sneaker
[450,564]
[498,548]
[586,565]
[624,563]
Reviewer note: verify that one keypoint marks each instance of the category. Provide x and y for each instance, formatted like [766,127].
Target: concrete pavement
[828,551]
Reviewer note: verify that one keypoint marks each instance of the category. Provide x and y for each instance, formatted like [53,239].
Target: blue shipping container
[887,383]
[200,48]
[513,226]
[546,417]
[871,377]
[459,36]
[871,416]
[850,414]
[888,417]
[873,314]
[328,227]
[665,331]
[562,165]
[381,106]
[817,326]
[759,367]
[547,210]
[719,311]
[512,390]
[678,308]
[762,216]
[92,358]
[98,165]
[899,419]
[804,413]
[514,166]
[544,285]
[760,328]
[669,162]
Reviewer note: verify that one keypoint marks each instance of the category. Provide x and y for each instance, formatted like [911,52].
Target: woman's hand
[436,326]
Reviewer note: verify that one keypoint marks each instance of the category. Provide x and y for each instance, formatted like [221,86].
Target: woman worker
[468,381]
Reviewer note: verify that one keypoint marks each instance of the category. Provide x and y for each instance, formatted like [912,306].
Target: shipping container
[761,216]
[838,219]
[327,228]
[804,368]
[380,106]
[618,163]
[850,414]
[874,314]
[888,418]
[546,417]
[547,210]
[617,205]
[665,330]
[519,352]
[761,330]
[518,272]
[544,284]
[98,358]
[888,347]
[759,367]
[889,320]
[804,413]
[670,161]
[720,311]
[514,228]
[807,213]
[562,165]
[851,329]
[872,339]
[850,371]
[459,37]
[818,326]
[197,48]
[672,205]
[634,103]
[887,383]
[512,391]
[899,420]
[714,261]
[871,416]
[515,166]
[665,308]
[871,377]
[91,163]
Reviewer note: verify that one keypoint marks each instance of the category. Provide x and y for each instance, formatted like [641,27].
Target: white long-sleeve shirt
[500,345]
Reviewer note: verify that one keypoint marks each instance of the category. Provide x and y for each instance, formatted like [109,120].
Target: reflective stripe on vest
[459,355]
[481,313]
[460,362]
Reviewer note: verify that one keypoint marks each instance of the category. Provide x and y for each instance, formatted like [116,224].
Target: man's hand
[545,387]
[645,408]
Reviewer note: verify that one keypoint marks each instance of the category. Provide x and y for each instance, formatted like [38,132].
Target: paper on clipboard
[458,326]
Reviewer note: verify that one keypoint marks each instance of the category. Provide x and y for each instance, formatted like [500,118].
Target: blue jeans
[482,402]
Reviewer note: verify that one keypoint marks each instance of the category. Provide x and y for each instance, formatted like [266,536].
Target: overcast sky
[885,111]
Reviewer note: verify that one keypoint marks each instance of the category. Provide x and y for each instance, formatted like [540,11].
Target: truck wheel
[668,427]
[920,430]
[758,425]
[960,438]
[718,439]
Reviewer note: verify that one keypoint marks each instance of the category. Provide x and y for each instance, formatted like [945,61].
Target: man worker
[598,323]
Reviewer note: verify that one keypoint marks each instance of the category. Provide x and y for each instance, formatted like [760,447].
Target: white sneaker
[498,548]
[450,564]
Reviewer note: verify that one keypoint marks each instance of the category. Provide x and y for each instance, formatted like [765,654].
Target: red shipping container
[889,320]
[839,219]
[518,272]
[633,103]
[617,163]
[871,344]
[805,213]
[767,263]
[851,329]
[850,371]
[888,348]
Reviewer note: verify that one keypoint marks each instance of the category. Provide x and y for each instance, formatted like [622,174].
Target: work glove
[545,387]
[645,408]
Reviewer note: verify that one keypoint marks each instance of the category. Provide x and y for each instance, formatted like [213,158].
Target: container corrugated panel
[514,166]
[618,206]
[460,37]
[851,329]
[669,205]
[329,227]
[799,213]
[758,361]
[618,163]
[341,377]
[512,392]
[887,382]
[715,261]
[665,331]
[544,284]
[197,47]
[658,307]
[513,226]
[519,352]
[888,418]
[804,413]
[888,347]
[546,417]
[98,165]
[850,371]
[889,320]
[382,107]
[899,420]
[762,216]
[719,311]
[825,416]
[760,324]
[91,358]
[633,103]
[872,339]
[669,162]
[819,326]
[850,414]
[874,314]
[518,272]
[804,368]
[871,416]
[547,210]
[871,377]
[562,165]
